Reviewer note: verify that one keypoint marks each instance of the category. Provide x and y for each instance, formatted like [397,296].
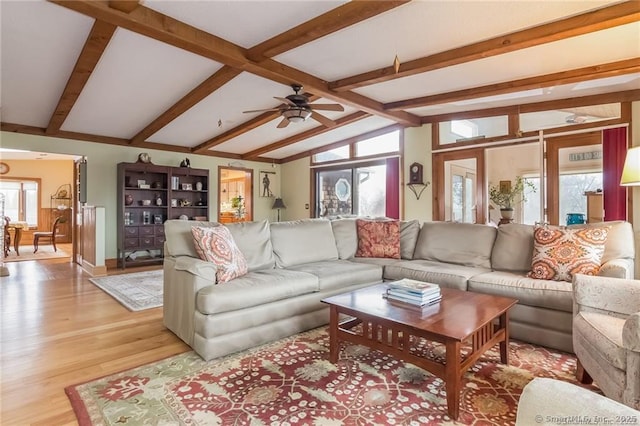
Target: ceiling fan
[296,109]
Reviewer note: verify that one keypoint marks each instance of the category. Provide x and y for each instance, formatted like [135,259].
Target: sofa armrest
[617,268]
[199,267]
[631,333]
[614,295]
[184,277]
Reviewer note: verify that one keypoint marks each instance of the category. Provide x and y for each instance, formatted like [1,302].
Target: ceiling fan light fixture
[296,114]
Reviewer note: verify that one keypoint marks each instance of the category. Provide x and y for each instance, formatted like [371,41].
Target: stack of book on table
[414,292]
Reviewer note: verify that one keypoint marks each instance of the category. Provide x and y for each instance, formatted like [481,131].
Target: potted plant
[506,195]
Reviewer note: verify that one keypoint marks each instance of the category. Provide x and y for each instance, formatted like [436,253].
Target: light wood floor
[58,329]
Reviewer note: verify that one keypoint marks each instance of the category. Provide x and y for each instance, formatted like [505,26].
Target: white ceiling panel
[40,45]
[200,123]
[245,23]
[421,28]
[136,80]
[359,127]
[603,47]
[594,87]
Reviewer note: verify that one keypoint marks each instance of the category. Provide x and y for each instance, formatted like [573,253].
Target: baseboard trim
[94,271]
[111,263]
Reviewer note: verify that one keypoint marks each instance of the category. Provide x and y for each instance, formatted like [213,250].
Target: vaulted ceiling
[177,75]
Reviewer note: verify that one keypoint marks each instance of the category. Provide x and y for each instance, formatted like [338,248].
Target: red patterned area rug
[291,382]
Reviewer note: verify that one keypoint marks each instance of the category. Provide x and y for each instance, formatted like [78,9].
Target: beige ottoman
[552,402]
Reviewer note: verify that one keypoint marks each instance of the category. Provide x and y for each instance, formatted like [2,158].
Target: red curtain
[393,188]
[614,151]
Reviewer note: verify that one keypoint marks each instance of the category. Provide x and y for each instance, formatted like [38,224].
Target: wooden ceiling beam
[327,23]
[178,34]
[351,118]
[611,69]
[204,89]
[95,45]
[596,20]
[126,6]
[336,19]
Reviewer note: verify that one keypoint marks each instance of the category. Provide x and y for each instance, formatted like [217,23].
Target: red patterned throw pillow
[378,238]
[217,245]
[559,254]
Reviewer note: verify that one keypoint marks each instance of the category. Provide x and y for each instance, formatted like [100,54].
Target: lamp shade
[631,170]
[278,204]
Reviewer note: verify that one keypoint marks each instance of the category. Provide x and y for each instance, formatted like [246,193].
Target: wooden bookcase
[147,196]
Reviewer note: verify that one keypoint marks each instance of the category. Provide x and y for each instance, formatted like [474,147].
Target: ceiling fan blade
[327,107]
[263,110]
[285,101]
[284,123]
[322,119]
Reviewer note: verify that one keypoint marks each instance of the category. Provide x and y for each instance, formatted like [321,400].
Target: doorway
[235,194]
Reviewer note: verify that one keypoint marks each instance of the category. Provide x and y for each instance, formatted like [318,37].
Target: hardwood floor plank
[58,329]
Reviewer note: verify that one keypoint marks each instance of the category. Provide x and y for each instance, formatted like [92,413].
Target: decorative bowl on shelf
[145,202]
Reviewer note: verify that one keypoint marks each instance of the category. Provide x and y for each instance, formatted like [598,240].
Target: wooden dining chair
[47,235]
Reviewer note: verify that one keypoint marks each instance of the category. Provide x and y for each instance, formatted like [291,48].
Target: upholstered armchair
[606,335]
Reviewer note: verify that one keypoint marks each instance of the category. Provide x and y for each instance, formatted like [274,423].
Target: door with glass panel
[458,186]
[574,172]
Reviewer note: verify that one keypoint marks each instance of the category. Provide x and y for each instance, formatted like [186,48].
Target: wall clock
[4,168]
[415,173]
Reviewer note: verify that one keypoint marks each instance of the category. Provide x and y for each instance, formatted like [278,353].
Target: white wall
[102,160]
[296,190]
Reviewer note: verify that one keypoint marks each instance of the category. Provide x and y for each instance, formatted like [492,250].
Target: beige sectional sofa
[294,265]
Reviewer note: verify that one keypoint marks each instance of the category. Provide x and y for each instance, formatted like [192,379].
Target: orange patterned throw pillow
[217,245]
[378,238]
[559,254]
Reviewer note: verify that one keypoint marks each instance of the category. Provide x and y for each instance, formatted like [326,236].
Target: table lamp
[631,170]
[278,204]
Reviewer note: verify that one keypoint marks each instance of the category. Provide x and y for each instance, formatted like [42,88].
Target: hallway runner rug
[136,291]
[291,382]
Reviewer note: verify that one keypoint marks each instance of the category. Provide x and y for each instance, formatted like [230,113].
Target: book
[414,286]
[413,296]
[393,297]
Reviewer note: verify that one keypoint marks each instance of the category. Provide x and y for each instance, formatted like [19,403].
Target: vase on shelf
[128,199]
[199,186]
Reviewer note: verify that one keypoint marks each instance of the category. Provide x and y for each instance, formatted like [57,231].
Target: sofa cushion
[179,239]
[378,238]
[303,241]
[254,241]
[559,253]
[619,244]
[513,248]
[216,245]
[346,236]
[444,274]
[253,289]
[460,243]
[556,295]
[341,273]
[604,334]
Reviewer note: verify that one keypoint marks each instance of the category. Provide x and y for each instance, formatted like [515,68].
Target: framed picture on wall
[266,183]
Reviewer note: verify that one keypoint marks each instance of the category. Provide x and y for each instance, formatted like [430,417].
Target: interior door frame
[439,159]
[248,189]
[554,145]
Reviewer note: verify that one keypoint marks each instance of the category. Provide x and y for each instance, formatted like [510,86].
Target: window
[389,142]
[340,153]
[21,200]
[531,204]
[572,189]
[477,128]
[352,191]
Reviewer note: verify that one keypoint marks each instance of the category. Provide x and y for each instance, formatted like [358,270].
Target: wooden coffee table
[393,327]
